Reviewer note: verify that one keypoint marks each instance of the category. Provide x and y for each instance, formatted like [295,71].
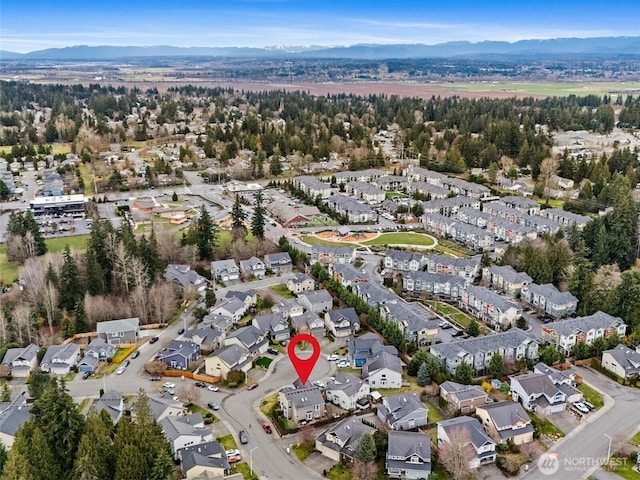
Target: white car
[581,407]
[169,385]
[318,383]
[212,388]
[333,358]
[120,370]
[343,364]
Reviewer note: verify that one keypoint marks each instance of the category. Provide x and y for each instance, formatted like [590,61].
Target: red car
[266,427]
[252,386]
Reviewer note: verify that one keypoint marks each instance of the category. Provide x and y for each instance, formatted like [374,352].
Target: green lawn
[402,238]
[282,290]
[303,451]
[245,470]
[545,427]
[391,195]
[8,271]
[591,396]
[264,362]
[227,442]
[622,467]
[553,202]
[269,404]
[636,438]
[311,240]
[339,472]
[76,242]
[87,179]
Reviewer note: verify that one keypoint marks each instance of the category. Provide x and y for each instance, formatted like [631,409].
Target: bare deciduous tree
[162,298]
[306,435]
[50,299]
[361,469]
[22,321]
[139,300]
[620,445]
[188,394]
[32,274]
[456,454]
[531,450]
[4,327]
[548,169]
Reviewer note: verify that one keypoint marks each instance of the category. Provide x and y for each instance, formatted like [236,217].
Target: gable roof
[626,358]
[208,454]
[232,355]
[346,382]
[63,352]
[463,392]
[408,444]
[111,401]
[249,336]
[536,383]
[174,427]
[489,343]
[317,296]
[116,326]
[477,435]
[381,361]
[348,314]
[598,320]
[509,274]
[14,415]
[304,397]
[27,353]
[505,414]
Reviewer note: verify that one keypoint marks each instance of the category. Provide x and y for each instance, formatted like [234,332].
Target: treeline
[59,442]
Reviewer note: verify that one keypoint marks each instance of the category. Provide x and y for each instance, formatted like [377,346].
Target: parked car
[581,407]
[126,363]
[155,378]
[181,331]
[272,351]
[120,370]
[212,388]
[86,375]
[233,456]
[135,354]
[266,427]
[445,325]
[283,343]
[457,333]
[213,406]
[243,437]
[154,339]
[318,383]
[333,358]
[201,385]
[590,406]
[169,385]
[252,386]
[342,364]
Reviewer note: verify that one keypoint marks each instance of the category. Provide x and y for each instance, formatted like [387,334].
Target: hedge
[123,353]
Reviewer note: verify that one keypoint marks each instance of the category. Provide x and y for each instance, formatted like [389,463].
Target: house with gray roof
[218,321]
[312,186]
[408,455]
[342,323]
[367,192]
[421,174]
[253,267]
[100,349]
[112,402]
[497,311]
[59,359]
[230,307]
[403,260]
[279,262]
[13,415]
[449,206]
[115,332]
[538,393]
[163,405]
[332,254]
[230,357]
[185,430]
[432,192]
[463,397]
[390,182]
[383,371]
[184,276]
[21,361]
[359,175]
[622,361]
[484,448]
[403,412]
[207,459]
[302,404]
[347,274]
[300,283]
[309,322]
[524,204]
[565,334]
[512,345]
[439,224]
[505,421]
[466,268]
[462,187]
[548,299]
[225,270]
[415,321]
[274,325]
[355,211]
[361,349]
[375,294]
[288,308]
[88,364]
[341,440]
[248,297]
[316,301]
[345,390]
[565,218]
[179,354]
[471,236]
[434,285]
[505,279]
[250,338]
[208,337]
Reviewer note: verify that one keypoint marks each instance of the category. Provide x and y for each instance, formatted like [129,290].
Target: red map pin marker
[303,366]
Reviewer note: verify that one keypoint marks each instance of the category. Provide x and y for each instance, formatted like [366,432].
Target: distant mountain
[558,46]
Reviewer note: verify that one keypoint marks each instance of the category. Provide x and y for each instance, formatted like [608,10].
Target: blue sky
[27,25]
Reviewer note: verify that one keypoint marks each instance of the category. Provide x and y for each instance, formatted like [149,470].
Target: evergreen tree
[474,328]
[392,333]
[237,214]
[130,464]
[209,298]
[463,374]
[276,166]
[67,327]
[258,221]
[71,290]
[423,375]
[3,456]
[31,456]
[81,318]
[203,233]
[416,362]
[366,449]
[94,275]
[496,366]
[5,396]
[174,197]
[95,457]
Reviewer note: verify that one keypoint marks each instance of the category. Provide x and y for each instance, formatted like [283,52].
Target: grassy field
[87,179]
[227,442]
[311,240]
[282,290]
[264,362]
[560,89]
[636,438]
[339,472]
[545,427]
[553,202]
[269,404]
[591,396]
[623,467]
[402,238]
[245,470]
[55,148]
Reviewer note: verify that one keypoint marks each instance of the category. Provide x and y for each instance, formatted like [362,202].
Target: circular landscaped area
[405,239]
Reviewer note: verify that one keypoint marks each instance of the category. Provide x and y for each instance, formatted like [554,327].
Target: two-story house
[345,390]
[309,322]
[548,299]
[464,398]
[279,262]
[505,421]
[230,357]
[253,268]
[403,412]
[300,283]
[250,338]
[498,311]
[21,361]
[538,393]
[361,349]
[274,325]
[225,270]
[317,301]
[383,371]
[185,430]
[185,277]
[467,430]
[115,332]
[342,323]
[404,261]
[60,359]
[622,361]
[340,441]
[408,455]
[179,354]
[302,404]
[505,279]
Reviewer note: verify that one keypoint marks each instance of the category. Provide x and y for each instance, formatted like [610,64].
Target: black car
[283,343]
[181,331]
[135,354]
[154,339]
[86,375]
[272,351]
[243,437]
[201,384]
[126,363]
[457,333]
[155,378]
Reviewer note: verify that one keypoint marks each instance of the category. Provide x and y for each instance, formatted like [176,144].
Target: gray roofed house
[403,412]
[449,206]
[408,455]
[225,270]
[316,301]
[347,274]
[421,174]
[434,284]
[274,325]
[473,237]
[557,376]
[227,358]
[185,430]
[506,279]
[184,276]
[302,404]
[341,440]
[88,364]
[462,187]
[179,354]
[526,205]
[312,186]
[497,311]
[355,211]
[12,416]
[366,192]
[360,349]
[112,402]
[288,307]
[513,344]
[538,393]
[464,397]
[426,188]
[484,448]
[622,361]
[464,267]
[359,175]
[300,283]
[403,260]
[163,405]
[278,262]
[248,297]
[548,299]
[565,218]
[383,371]
[253,267]
[328,254]
[375,294]
[345,390]
[115,332]
[100,349]
[208,337]
[249,337]
[417,323]
[506,420]
[21,361]
[205,458]
[342,323]
[218,321]
[231,307]
[59,359]
[309,322]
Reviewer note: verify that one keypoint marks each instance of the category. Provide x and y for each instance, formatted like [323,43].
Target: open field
[402,238]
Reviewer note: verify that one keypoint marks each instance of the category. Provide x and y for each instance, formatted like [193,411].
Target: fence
[193,376]
[122,354]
